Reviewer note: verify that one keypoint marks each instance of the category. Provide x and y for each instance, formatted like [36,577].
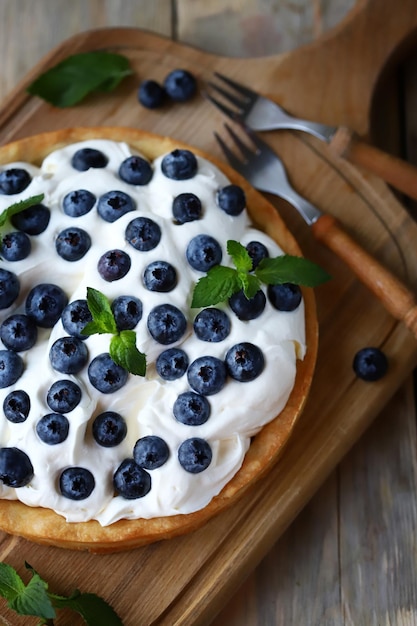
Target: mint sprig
[123,349]
[18,207]
[35,599]
[221,282]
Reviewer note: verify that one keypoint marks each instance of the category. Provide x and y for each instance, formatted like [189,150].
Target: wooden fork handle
[398,300]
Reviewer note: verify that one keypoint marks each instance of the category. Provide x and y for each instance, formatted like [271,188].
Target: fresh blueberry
[16,406]
[16,470]
[114,204]
[203,252]
[151,94]
[179,165]
[9,288]
[79,202]
[127,311]
[166,323]
[68,355]
[11,368]
[370,364]
[136,170]
[113,265]
[143,234]
[105,375]
[172,364]
[63,396]
[76,483]
[180,85]
[191,408]
[186,208]
[247,308]
[85,158]
[18,332]
[160,276]
[131,481]
[15,246]
[72,244]
[212,325]
[14,180]
[231,199]
[207,375]
[284,297]
[257,251]
[195,455]
[45,303]
[109,429]
[75,317]
[150,452]
[244,361]
[53,428]
[33,221]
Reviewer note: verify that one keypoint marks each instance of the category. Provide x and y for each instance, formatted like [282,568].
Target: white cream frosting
[238,411]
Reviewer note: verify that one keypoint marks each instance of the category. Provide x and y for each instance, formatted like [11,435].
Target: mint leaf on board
[100,309]
[290,269]
[30,599]
[124,352]
[71,80]
[91,607]
[18,207]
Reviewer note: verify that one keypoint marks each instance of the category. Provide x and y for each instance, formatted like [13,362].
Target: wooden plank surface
[349,557]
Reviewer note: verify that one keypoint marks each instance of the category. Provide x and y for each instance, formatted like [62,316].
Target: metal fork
[263,169]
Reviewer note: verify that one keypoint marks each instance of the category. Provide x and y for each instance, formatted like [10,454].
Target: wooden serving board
[185,581]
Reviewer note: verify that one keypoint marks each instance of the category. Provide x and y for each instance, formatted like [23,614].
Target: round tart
[94,456]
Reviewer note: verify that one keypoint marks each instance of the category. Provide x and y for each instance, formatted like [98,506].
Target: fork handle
[398,173]
[398,300]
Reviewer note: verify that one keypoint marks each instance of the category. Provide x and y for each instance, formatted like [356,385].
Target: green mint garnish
[18,207]
[74,78]
[35,599]
[222,282]
[123,348]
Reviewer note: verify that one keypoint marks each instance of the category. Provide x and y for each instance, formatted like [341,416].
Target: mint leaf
[217,286]
[34,599]
[290,269]
[91,607]
[240,256]
[17,207]
[100,309]
[11,585]
[124,352]
[250,285]
[71,80]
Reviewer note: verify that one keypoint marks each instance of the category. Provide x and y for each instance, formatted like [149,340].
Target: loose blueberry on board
[15,246]
[113,204]
[160,276]
[72,244]
[370,364]
[127,312]
[247,308]
[284,297]
[85,158]
[14,180]
[166,323]
[105,375]
[151,94]
[203,252]
[195,455]
[16,406]
[143,234]
[11,368]
[207,375]
[63,396]
[78,202]
[16,469]
[9,288]
[33,221]
[180,85]
[212,325]
[150,452]
[45,303]
[131,481]
[172,363]
[186,208]
[52,428]
[257,251]
[245,361]
[109,429]
[231,199]
[191,408]
[136,170]
[18,332]
[76,483]
[75,317]
[179,165]
[68,355]
[113,265]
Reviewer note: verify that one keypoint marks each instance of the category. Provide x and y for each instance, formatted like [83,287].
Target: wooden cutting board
[185,581]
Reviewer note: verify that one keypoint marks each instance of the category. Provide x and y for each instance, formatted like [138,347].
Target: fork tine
[223,108]
[230,156]
[244,149]
[227,95]
[248,93]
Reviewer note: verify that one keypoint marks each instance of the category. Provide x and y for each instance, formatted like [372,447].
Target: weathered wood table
[350,555]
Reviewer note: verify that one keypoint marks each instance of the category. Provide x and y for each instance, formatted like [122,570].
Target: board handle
[398,300]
